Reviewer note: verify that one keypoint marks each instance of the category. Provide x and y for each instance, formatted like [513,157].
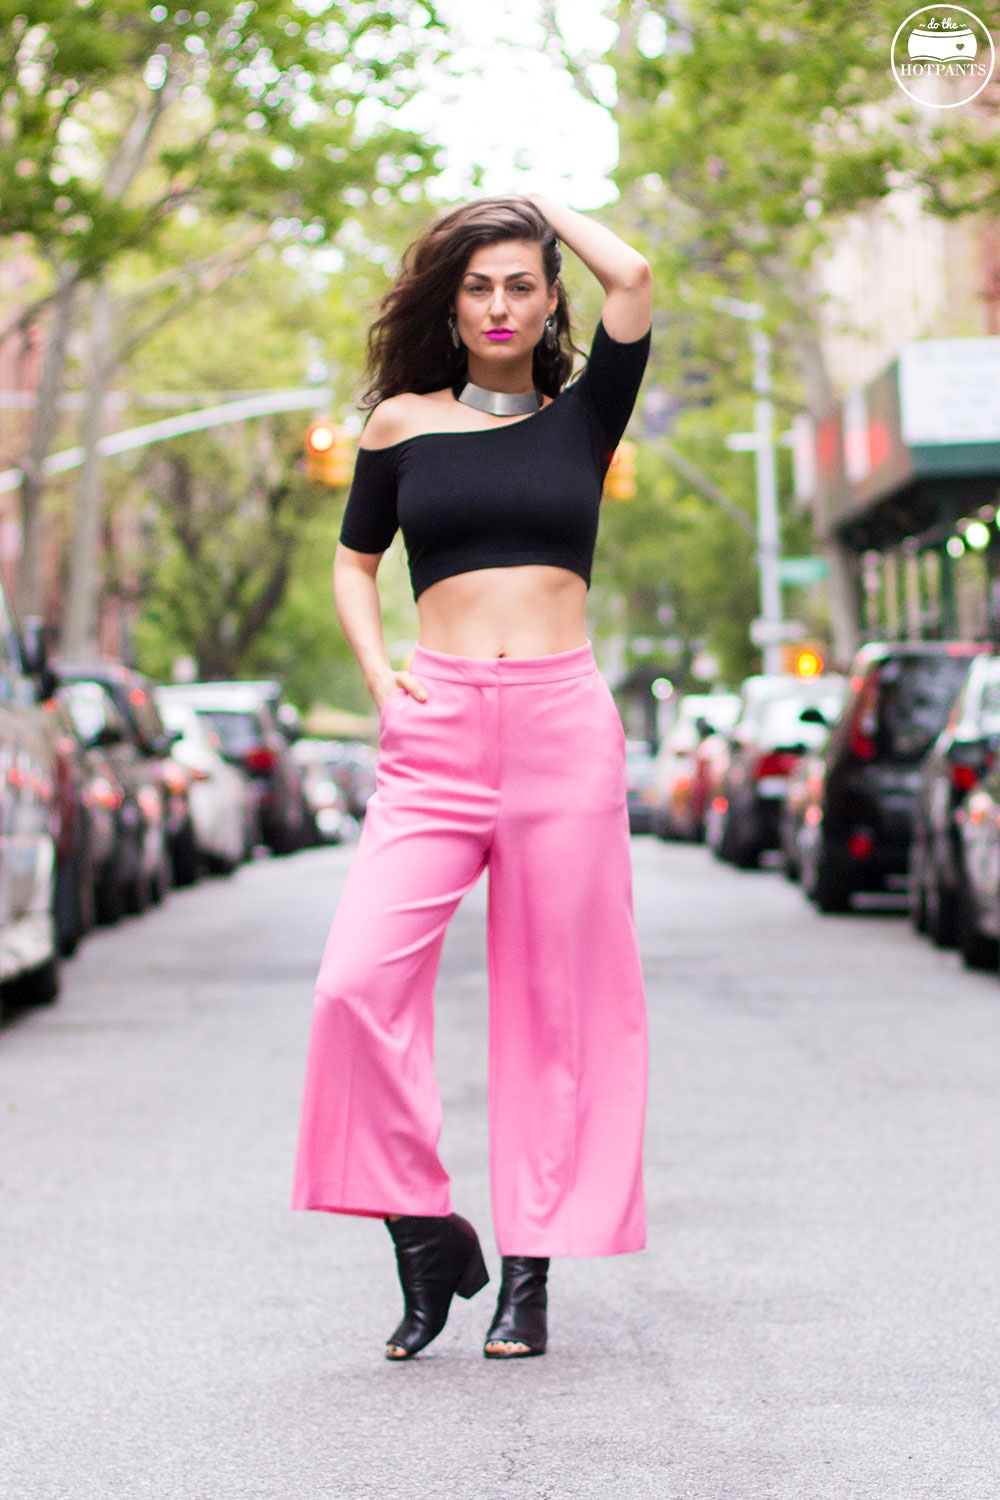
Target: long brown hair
[409,344]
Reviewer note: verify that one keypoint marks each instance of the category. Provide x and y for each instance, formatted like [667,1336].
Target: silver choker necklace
[500,403]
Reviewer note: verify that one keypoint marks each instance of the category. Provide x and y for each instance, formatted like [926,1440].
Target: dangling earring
[550,338]
[453,331]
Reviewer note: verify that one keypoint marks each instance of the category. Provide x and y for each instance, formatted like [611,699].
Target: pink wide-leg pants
[515,766]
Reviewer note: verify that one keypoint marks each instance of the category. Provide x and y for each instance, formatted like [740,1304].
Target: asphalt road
[816,1316]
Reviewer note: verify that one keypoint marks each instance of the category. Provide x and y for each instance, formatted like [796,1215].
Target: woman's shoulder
[398,418]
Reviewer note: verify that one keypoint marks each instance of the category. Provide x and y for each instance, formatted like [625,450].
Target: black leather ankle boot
[437,1259]
[520,1317]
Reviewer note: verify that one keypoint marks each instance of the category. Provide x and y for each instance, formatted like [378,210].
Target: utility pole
[768,533]
[770,630]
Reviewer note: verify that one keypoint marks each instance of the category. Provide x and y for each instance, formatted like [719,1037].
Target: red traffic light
[804,660]
[329,453]
[321,437]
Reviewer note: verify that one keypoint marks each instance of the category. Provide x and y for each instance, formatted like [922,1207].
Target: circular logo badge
[942,56]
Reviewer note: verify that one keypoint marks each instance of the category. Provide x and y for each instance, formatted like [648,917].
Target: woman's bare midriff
[533,610]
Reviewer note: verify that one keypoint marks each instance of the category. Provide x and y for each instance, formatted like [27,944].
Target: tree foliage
[116,114]
[749,130]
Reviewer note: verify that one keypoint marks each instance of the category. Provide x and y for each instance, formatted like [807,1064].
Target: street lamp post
[770,630]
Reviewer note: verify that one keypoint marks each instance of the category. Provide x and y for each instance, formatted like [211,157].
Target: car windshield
[179,717]
[93,711]
[989,703]
[238,731]
[781,722]
[915,694]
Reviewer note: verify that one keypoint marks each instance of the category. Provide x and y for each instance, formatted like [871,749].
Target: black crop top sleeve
[370,519]
[611,380]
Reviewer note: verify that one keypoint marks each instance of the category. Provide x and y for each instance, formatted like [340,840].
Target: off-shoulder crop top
[501,497]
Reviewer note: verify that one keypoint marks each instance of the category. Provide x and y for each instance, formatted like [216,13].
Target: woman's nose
[499,304]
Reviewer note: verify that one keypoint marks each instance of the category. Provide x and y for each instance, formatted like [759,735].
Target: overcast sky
[506,106]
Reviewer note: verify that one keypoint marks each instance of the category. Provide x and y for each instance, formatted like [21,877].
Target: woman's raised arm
[623,272]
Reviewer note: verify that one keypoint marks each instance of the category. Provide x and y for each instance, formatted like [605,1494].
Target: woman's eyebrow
[514,275]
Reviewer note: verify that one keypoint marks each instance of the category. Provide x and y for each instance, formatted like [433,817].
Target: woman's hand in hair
[623,272]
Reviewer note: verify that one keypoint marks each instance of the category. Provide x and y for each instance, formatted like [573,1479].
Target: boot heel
[475,1276]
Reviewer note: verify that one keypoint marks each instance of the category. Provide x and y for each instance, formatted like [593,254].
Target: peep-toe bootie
[520,1317]
[438,1258]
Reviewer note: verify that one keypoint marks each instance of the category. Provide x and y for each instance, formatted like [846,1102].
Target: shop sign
[949,391]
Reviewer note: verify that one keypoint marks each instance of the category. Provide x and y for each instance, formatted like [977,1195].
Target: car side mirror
[35,656]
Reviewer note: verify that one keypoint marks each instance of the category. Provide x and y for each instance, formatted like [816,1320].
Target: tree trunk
[79,635]
[31,581]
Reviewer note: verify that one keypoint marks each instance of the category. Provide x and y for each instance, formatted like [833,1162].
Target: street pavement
[816,1315]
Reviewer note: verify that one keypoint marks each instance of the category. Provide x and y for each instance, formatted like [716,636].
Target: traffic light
[329,453]
[803,659]
[620,481]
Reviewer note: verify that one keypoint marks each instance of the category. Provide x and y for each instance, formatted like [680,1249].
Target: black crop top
[500,497]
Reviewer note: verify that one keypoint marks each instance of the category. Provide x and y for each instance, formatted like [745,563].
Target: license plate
[772,786]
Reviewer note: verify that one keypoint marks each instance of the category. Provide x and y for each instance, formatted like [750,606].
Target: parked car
[858,837]
[640,792]
[767,742]
[803,781]
[114,710]
[352,765]
[250,738]
[29,949]
[329,820]
[960,756]
[681,775]
[222,811]
[978,905]
[80,829]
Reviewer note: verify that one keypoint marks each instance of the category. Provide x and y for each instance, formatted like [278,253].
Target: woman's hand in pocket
[388,682]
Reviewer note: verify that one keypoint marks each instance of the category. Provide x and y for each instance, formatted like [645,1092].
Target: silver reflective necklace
[500,403]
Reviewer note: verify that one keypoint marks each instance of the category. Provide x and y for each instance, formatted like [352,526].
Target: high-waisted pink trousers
[515,766]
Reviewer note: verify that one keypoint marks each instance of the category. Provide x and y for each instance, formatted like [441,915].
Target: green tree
[748,131]
[228,551]
[117,115]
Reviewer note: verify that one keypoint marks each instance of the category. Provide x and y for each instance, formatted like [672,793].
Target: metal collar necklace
[500,403]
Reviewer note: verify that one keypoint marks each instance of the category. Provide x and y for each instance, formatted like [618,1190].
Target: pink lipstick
[499,335]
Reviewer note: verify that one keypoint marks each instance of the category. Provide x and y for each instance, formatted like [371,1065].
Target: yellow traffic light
[804,660]
[620,481]
[329,453]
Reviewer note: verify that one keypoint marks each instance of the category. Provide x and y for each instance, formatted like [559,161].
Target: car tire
[67,910]
[918,902]
[38,987]
[826,888]
[109,902]
[285,841]
[977,949]
[160,884]
[185,865]
[725,842]
[138,893]
[746,857]
[941,913]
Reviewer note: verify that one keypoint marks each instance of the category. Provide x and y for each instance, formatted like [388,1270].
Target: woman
[500,748]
